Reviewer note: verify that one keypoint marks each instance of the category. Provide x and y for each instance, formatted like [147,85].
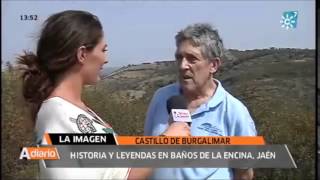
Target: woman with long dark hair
[70,54]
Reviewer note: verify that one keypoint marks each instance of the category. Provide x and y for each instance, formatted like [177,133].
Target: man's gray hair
[204,36]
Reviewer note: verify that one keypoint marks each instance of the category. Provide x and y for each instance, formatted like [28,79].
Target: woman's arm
[140,173]
[175,129]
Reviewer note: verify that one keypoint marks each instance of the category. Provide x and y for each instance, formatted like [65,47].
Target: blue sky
[143,31]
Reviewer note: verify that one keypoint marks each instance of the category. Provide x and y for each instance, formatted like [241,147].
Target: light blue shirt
[222,115]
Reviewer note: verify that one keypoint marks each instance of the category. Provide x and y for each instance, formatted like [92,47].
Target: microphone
[177,108]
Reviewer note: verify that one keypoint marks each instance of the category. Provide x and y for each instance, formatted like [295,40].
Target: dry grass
[278,93]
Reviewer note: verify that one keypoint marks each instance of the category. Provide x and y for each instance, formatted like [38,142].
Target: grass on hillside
[278,92]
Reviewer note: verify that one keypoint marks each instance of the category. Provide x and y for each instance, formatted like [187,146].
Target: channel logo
[37,153]
[289,19]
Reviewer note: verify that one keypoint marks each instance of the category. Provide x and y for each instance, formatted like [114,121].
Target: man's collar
[215,100]
[218,96]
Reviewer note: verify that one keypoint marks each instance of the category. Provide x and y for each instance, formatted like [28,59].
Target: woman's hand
[177,129]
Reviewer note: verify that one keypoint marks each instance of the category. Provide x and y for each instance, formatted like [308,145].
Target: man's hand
[243,174]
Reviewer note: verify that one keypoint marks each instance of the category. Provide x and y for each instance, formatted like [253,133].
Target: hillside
[277,85]
[267,67]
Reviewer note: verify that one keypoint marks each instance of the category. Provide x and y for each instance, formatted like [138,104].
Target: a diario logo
[178,114]
[37,153]
[181,115]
